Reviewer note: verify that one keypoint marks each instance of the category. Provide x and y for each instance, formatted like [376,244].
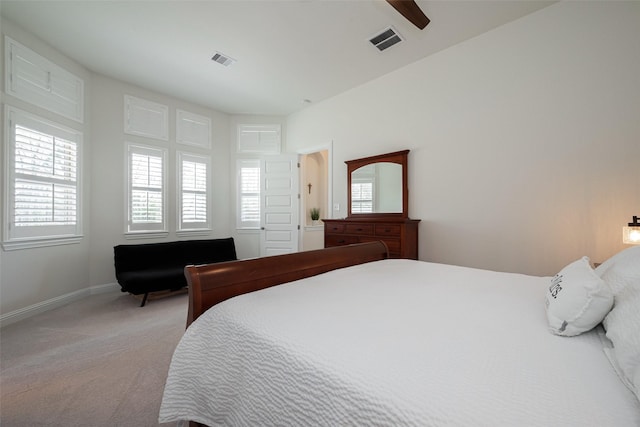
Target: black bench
[153,267]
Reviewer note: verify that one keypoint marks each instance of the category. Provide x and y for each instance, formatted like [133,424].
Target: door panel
[279,205]
[278,218]
[280,201]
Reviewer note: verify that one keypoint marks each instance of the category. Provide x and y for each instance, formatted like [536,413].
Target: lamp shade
[631,233]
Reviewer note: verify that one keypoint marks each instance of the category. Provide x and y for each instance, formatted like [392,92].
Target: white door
[279,205]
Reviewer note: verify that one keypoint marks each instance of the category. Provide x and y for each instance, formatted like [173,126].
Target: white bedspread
[393,343]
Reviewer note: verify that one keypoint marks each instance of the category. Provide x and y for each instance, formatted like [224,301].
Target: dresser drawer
[338,240]
[334,228]
[388,230]
[360,229]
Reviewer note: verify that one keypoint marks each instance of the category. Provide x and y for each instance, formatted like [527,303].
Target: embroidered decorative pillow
[577,299]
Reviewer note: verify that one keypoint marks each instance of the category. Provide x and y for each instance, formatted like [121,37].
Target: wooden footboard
[213,283]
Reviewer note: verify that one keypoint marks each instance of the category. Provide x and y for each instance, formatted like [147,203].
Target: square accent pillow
[623,329]
[577,299]
[622,273]
[621,270]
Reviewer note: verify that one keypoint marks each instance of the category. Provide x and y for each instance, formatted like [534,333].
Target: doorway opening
[315,195]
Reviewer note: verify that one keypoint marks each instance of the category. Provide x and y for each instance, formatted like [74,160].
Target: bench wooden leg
[144,299]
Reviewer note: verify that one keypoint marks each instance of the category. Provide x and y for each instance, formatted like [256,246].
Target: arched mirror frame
[399,157]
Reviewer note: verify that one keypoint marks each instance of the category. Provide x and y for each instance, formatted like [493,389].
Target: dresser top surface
[398,220]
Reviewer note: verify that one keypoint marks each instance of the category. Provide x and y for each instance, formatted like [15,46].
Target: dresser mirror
[378,185]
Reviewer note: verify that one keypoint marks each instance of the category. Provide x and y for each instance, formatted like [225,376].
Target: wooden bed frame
[213,283]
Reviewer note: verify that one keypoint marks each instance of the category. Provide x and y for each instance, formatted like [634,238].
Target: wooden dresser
[377,206]
[399,234]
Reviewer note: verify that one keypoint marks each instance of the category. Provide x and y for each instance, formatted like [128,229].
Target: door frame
[303,208]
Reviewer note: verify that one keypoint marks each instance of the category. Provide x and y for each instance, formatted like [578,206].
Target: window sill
[40,243]
[319,227]
[188,233]
[146,235]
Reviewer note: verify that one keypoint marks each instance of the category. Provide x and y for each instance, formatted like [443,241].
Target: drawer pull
[359,229]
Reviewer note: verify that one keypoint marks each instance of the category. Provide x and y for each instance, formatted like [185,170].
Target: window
[43,180]
[146,118]
[193,129]
[39,81]
[362,197]
[248,194]
[193,192]
[259,139]
[146,190]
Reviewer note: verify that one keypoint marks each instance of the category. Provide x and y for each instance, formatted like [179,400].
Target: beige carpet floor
[99,361]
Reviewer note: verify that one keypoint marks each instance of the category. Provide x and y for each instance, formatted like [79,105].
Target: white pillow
[577,299]
[621,270]
[623,329]
[622,273]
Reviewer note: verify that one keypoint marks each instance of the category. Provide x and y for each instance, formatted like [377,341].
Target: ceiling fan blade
[410,10]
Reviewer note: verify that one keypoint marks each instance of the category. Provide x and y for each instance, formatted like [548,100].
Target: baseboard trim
[50,304]
[103,289]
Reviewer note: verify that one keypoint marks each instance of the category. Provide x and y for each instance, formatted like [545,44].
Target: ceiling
[287,51]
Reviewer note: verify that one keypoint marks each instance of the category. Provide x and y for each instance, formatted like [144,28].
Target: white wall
[34,277]
[108,170]
[30,276]
[524,141]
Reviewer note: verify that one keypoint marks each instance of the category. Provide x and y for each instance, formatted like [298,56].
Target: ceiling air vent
[385,39]
[222,59]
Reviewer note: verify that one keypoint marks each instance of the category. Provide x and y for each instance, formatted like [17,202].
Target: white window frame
[145,229]
[38,235]
[193,227]
[240,223]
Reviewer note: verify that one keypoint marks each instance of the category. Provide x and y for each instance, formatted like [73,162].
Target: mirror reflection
[377,188]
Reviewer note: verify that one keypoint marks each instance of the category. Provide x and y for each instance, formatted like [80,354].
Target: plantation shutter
[361,197]
[249,194]
[146,189]
[193,183]
[259,139]
[194,192]
[45,191]
[38,81]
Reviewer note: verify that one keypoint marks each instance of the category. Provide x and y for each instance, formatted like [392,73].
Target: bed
[349,337]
